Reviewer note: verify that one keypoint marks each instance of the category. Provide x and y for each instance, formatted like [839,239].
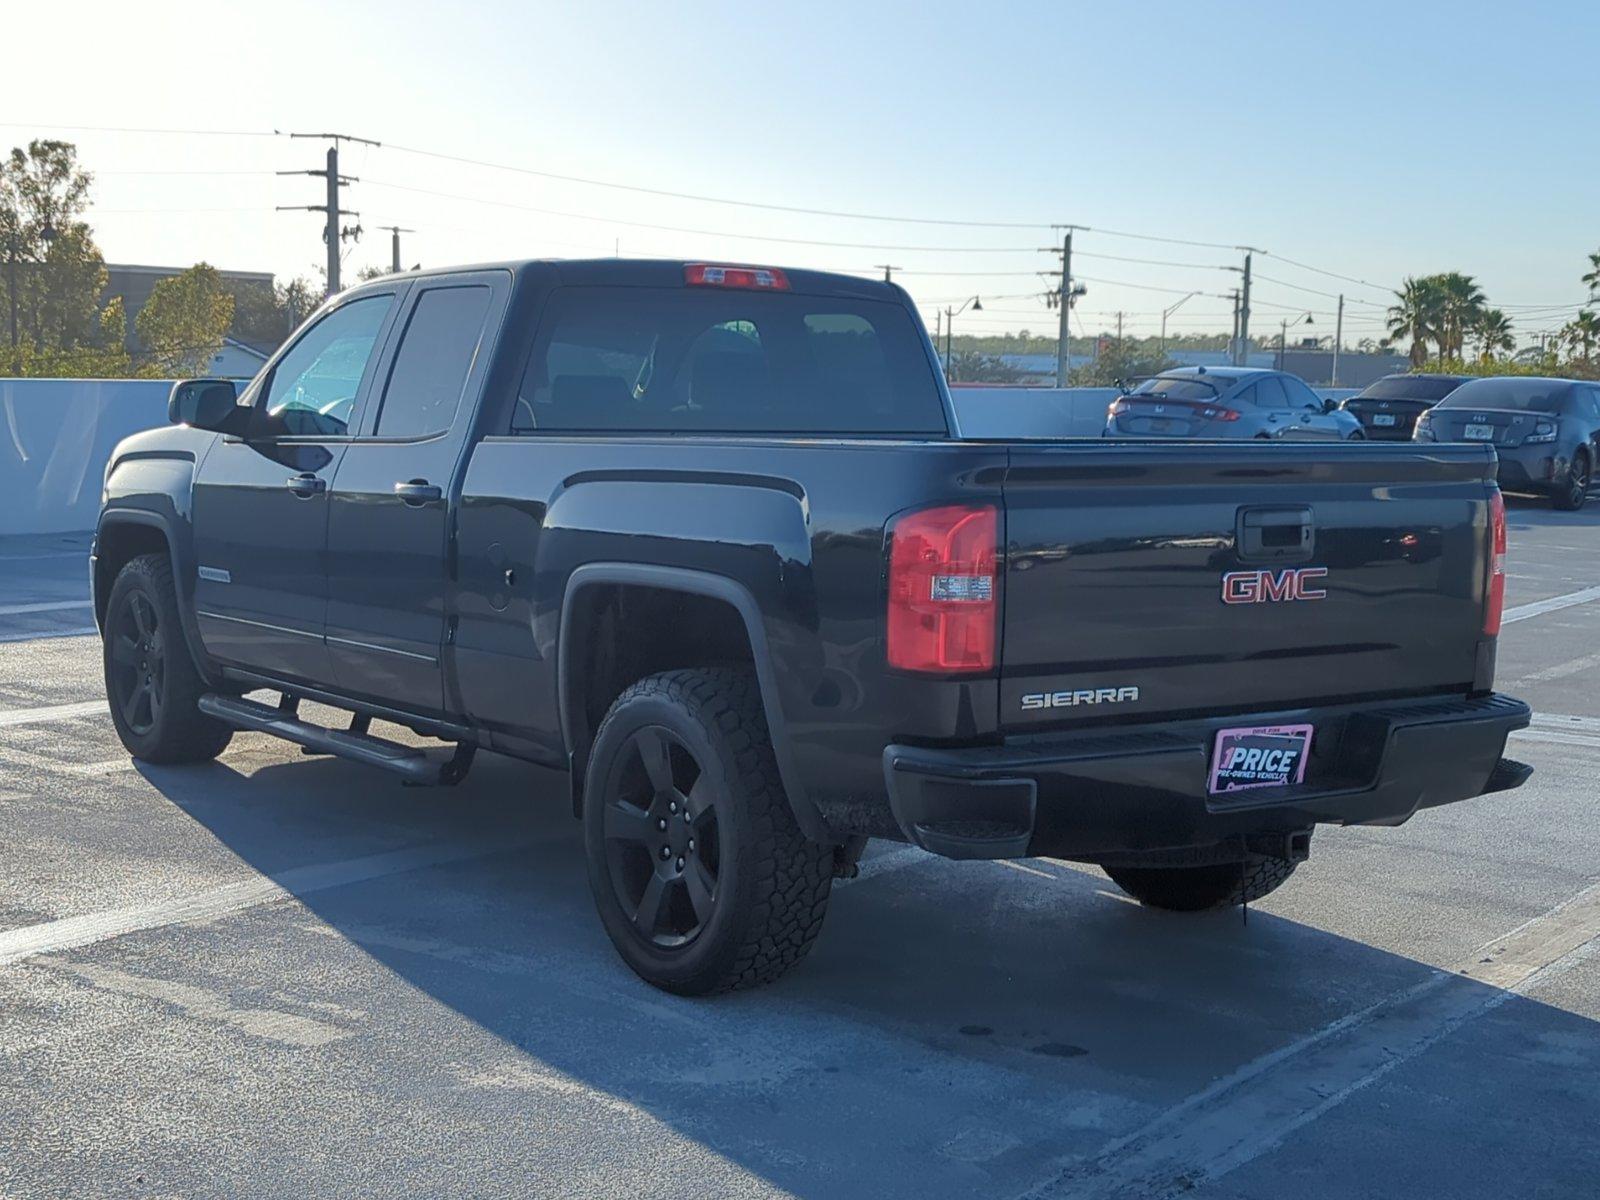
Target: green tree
[1460,302]
[1592,276]
[184,321]
[1120,364]
[266,315]
[1492,331]
[1416,315]
[1581,335]
[971,367]
[59,270]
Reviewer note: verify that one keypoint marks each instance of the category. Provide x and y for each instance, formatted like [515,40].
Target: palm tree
[1582,333]
[1592,278]
[1416,315]
[1492,329]
[1460,302]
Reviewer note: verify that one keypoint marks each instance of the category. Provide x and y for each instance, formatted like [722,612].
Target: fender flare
[114,516]
[716,587]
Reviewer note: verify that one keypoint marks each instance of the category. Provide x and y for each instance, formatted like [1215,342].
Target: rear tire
[152,683]
[1572,495]
[1195,889]
[703,880]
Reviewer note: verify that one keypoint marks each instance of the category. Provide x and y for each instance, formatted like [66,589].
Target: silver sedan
[1228,402]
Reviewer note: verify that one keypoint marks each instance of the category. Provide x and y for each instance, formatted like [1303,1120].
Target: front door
[389,521]
[261,502]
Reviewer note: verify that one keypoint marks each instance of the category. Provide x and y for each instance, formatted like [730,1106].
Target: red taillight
[761,278]
[1118,407]
[942,602]
[1220,414]
[1496,603]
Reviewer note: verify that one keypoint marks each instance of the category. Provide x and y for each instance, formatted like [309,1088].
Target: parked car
[702,538]
[1546,432]
[1228,402]
[1388,408]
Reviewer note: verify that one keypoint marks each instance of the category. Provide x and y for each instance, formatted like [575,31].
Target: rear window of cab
[727,360]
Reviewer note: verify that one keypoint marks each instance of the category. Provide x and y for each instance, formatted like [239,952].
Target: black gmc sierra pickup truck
[703,537]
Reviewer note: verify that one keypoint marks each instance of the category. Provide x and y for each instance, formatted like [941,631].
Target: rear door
[1315,420]
[1146,581]
[390,507]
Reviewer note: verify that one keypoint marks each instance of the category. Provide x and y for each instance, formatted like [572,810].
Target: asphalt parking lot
[289,976]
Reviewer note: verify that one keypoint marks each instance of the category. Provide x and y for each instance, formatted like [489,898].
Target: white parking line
[1251,1112]
[16,610]
[69,932]
[41,634]
[51,712]
[1554,603]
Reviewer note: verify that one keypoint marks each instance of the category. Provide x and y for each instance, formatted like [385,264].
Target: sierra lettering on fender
[1269,587]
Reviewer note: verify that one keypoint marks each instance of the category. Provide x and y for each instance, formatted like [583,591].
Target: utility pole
[1119,331]
[1338,336]
[1244,309]
[332,233]
[394,245]
[1065,295]
[888,271]
[1233,341]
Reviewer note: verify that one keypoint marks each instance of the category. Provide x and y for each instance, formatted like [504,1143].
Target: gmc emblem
[1270,587]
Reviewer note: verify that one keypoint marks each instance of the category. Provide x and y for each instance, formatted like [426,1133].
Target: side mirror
[206,404]
[1329,405]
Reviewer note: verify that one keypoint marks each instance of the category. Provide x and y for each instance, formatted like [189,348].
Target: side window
[1270,393]
[1589,406]
[313,388]
[1244,396]
[435,356]
[1301,396]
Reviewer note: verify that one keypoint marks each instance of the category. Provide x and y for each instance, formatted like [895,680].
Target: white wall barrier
[56,436]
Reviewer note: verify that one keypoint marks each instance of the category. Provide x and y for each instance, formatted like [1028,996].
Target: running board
[411,763]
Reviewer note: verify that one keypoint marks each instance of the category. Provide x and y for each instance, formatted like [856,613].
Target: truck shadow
[961,1028]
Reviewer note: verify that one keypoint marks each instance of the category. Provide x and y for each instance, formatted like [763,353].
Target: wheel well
[117,545]
[622,633]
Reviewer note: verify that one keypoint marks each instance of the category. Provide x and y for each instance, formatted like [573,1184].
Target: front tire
[1575,492]
[703,880]
[1196,889]
[152,683]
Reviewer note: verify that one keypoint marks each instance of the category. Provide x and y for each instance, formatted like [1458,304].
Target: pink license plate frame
[1246,758]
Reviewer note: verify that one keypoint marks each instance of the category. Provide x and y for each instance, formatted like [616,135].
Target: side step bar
[411,763]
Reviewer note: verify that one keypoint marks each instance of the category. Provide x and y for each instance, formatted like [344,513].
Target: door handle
[306,484]
[417,492]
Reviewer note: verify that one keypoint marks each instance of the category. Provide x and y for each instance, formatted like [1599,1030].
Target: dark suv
[1545,431]
[1389,407]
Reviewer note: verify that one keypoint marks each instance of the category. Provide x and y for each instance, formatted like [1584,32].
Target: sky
[1366,140]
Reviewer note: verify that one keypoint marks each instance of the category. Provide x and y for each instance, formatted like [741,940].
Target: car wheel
[1572,495]
[152,683]
[703,880]
[1194,889]
[1356,436]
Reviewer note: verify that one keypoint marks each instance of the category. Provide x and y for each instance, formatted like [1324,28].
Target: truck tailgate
[1209,578]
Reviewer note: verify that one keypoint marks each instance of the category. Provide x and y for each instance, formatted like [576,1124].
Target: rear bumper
[1529,469]
[1120,793]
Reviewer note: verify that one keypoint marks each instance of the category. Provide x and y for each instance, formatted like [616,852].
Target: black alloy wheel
[137,662]
[661,837]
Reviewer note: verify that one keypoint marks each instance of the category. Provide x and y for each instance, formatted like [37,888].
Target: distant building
[237,360]
[134,284]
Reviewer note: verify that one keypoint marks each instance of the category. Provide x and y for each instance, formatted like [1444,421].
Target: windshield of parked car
[1179,387]
[1410,387]
[1524,395]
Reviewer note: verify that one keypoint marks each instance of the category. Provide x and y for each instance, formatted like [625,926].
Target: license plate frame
[1234,771]
[1478,433]
[1387,420]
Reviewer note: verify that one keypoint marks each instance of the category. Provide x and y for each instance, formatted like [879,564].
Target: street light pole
[1283,337]
[950,314]
[1167,312]
[11,281]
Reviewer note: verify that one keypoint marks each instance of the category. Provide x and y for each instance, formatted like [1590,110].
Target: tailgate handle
[1275,534]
